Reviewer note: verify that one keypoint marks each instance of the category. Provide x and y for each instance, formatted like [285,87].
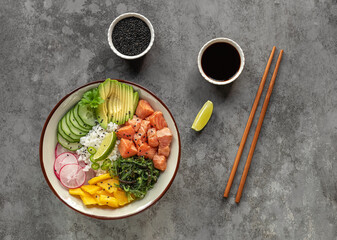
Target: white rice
[94,139]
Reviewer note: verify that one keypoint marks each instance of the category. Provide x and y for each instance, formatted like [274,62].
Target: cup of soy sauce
[221,61]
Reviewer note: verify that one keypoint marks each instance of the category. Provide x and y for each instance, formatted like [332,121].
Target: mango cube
[107,200]
[109,185]
[88,199]
[103,192]
[121,197]
[99,178]
[76,192]
[91,189]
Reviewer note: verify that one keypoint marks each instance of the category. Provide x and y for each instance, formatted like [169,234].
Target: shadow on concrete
[135,65]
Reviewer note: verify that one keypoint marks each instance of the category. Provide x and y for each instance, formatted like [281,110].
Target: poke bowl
[73,192]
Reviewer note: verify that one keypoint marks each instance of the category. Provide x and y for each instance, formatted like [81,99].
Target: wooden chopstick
[258,129]
[249,124]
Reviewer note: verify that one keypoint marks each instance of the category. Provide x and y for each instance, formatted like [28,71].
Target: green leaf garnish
[91,98]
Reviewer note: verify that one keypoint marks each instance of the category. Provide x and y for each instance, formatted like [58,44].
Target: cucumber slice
[79,120]
[72,128]
[67,131]
[87,115]
[68,145]
[60,131]
[75,123]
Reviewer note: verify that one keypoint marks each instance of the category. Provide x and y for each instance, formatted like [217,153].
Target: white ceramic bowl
[48,142]
[223,40]
[126,15]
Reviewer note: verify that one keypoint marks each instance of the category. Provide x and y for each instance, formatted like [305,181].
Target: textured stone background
[48,48]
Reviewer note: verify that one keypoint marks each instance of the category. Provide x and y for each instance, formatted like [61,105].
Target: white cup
[236,75]
[126,15]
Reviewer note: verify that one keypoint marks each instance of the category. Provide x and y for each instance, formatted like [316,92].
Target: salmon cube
[126,132]
[144,109]
[157,120]
[146,151]
[152,137]
[141,134]
[164,137]
[159,162]
[127,148]
[144,126]
[138,139]
[165,151]
[134,123]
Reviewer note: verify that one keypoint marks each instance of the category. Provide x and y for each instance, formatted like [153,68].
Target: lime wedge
[106,147]
[203,116]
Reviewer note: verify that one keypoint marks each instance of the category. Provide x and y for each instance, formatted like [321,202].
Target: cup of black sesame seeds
[131,36]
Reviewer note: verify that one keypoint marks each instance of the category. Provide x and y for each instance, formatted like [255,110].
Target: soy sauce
[220,61]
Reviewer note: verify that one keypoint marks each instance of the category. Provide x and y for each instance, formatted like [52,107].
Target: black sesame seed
[131,36]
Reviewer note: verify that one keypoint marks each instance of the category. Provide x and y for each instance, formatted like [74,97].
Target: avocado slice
[102,116]
[135,102]
[120,102]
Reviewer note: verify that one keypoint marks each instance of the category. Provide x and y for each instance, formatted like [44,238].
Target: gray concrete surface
[48,48]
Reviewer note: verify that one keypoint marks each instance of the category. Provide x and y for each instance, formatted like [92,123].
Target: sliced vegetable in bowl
[136,175]
[89,146]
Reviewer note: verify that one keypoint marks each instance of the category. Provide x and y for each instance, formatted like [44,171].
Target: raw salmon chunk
[159,162]
[146,151]
[126,132]
[164,137]
[165,151]
[157,120]
[144,126]
[138,139]
[141,134]
[134,123]
[144,109]
[152,137]
[127,148]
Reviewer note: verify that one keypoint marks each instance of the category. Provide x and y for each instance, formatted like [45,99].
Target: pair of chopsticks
[258,127]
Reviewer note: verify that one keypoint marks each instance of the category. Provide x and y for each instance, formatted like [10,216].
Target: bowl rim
[221,40]
[43,135]
[118,19]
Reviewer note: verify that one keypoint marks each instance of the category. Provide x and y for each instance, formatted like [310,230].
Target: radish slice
[63,159]
[72,176]
[82,164]
[90,174]
[59,150]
